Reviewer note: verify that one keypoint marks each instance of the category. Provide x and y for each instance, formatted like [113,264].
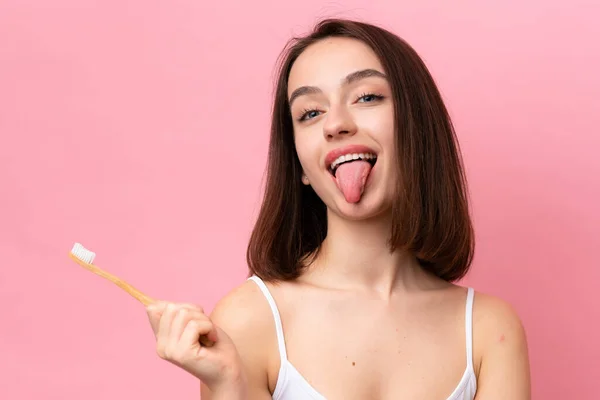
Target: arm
[245,316]
[504,364]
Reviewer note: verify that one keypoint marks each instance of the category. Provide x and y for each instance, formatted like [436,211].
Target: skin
[386,329]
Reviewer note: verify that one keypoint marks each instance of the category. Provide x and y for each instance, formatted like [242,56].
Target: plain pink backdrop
[139,128]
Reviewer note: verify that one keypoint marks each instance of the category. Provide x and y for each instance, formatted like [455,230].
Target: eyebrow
[350,78]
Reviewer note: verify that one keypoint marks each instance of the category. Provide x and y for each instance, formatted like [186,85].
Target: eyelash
[309,110]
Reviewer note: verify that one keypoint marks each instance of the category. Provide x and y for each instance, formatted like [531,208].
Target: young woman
[364,227]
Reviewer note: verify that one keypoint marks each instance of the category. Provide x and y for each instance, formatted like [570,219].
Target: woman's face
[341,105]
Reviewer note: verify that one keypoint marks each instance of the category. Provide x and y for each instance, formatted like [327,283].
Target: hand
[178,327]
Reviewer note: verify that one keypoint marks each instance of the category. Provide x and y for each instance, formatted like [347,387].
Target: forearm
[229,391]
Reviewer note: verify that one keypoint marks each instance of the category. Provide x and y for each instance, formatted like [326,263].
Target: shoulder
[496,321]
[245,315]
[243,306]
[500,347]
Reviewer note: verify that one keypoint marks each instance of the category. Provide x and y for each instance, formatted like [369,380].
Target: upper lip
[342,151]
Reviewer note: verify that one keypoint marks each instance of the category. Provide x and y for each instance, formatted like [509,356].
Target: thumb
[155,312]
[218,335]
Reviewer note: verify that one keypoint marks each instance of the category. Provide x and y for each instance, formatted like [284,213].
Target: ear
[305,179]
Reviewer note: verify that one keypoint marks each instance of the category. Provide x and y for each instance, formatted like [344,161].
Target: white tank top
[291,385]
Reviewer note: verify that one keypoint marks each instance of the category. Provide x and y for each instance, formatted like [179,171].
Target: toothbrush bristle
[83,254]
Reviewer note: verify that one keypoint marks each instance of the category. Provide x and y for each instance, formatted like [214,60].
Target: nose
[338,122]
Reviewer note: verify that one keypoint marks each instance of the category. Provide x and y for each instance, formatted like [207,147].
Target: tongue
[351,178]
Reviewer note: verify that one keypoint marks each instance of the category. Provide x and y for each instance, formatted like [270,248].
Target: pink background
[139,128]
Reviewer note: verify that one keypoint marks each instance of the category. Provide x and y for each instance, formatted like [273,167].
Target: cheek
[382,126]
[307,149]
[387,118]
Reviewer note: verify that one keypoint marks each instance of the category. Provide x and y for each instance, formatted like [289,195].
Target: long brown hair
[431,215]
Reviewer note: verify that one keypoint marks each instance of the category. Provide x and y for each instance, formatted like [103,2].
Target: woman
[363,229]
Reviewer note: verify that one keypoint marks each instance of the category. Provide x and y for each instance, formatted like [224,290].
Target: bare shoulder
[496,319]
[500,344]
[243,308]
[244,314]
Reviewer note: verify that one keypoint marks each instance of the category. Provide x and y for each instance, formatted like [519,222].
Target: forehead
[327,62]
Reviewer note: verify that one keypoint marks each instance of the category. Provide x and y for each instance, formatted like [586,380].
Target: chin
[369,207]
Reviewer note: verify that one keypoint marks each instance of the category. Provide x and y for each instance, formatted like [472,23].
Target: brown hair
[430,217]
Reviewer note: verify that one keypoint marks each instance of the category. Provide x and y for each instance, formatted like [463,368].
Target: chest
[361,350]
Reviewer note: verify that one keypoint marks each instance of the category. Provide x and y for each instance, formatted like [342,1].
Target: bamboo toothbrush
[85,258]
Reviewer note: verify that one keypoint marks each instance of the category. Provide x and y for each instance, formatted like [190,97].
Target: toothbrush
[85,258]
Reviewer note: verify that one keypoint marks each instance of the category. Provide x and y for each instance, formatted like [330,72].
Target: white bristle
[83,254]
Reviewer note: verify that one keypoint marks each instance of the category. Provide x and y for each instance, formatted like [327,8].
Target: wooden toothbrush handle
[135,293]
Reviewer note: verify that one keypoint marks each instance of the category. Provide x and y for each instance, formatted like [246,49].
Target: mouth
[371,158]
[348,154]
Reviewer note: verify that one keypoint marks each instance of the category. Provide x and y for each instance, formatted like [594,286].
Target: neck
[356,255]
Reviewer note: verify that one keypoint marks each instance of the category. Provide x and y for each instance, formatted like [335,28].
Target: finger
[164,326]
[183,316]
[187,315]
[213,335]
[155,311]
[196,312]
[209,339]
[190,338]
[192,307]
[197,315]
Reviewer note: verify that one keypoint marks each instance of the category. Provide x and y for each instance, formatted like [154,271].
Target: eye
[309,114]
[368,98]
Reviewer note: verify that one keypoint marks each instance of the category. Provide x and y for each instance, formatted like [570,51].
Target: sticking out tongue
[351,178]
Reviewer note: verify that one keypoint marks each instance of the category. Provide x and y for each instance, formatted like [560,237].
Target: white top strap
[469,326]
[276,316]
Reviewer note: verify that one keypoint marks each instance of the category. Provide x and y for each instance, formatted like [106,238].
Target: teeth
[350,157]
